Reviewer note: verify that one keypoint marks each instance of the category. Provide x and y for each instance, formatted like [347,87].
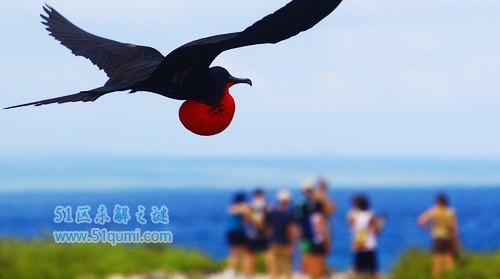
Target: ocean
[197,216]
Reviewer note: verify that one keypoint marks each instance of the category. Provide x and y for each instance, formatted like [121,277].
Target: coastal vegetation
[416,264]
[43,259]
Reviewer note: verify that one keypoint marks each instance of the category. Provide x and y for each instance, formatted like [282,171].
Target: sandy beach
[223,275]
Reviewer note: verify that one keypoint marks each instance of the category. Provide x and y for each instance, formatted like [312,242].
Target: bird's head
[223,80]
[215,114]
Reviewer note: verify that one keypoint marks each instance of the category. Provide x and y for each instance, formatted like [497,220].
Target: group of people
[259,228]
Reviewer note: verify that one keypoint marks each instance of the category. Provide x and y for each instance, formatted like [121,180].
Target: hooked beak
[235,80]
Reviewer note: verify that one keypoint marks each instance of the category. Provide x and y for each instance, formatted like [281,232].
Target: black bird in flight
[185,73]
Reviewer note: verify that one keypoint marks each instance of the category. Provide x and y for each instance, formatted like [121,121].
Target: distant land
[83,173]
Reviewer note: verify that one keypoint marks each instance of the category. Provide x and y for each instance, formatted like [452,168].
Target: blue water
[198,217]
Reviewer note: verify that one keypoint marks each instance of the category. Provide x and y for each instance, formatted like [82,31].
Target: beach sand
[222,275]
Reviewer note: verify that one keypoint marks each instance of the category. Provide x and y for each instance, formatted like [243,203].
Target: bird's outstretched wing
[113,57]
[297,16]
[290,20]
[125,64]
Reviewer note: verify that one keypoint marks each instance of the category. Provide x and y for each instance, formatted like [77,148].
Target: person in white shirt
[365,227]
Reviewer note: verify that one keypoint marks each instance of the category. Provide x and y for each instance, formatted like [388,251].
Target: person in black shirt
[281,223]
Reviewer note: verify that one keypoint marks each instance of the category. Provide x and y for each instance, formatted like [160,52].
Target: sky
[385,79]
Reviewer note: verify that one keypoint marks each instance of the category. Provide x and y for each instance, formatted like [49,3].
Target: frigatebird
[186,72]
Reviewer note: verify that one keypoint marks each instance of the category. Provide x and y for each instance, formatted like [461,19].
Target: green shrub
[416,264]
[41,259]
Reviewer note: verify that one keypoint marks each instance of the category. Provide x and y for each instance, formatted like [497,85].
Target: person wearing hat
[281,222]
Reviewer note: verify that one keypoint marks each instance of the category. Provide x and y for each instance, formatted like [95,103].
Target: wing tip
[48,11]
[47,8]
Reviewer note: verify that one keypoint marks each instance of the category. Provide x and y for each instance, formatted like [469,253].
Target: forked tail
[83,96]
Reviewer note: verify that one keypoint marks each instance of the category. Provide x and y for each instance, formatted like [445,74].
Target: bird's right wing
[195,57]
[113,57]
[295,17]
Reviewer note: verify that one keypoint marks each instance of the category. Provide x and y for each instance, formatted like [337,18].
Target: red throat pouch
[205,120]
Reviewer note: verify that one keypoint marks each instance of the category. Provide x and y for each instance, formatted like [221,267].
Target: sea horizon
[98,173]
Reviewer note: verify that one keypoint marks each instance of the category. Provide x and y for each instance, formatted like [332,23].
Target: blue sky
[374,79]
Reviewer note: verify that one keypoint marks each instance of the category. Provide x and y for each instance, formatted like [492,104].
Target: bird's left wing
[115,58]
[295,17]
